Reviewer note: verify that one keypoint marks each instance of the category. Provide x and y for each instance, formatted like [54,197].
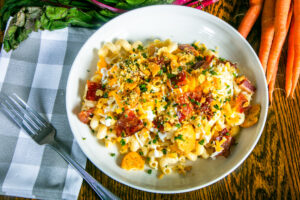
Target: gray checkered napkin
[37,71]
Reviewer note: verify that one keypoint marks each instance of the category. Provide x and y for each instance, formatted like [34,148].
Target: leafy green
[111,1]
[55,13]
[135,2]
[32,15]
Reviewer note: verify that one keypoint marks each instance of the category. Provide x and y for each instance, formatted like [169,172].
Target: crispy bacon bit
[128,124]
[187,48]
[205,107]
[86,115]
[92,89]
[240,100]
[179,80]
[209,58]
[226,61]
[159,60]
[198,64]
[196,95]
[159,125]
[204,63]
[181,116]
[233,65]
[247,86]
[185,108]
[209,98]
[185,111]
[227,144]
[223,132]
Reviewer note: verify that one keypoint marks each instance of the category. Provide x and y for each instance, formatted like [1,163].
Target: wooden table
[272,171]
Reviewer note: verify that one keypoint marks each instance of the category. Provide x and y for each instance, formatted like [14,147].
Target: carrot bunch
[280,19]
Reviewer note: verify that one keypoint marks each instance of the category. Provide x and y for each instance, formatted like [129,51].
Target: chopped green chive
[216,107]
[199,58]
[140,47]
[171,75]
[193,45]
[201,142]
[213,72]
[105,95]
[222,59]
[122,142]
[143,87]
[192,100]
[129,80]
[179,137]
[190,63]
[144,55]
[164,151]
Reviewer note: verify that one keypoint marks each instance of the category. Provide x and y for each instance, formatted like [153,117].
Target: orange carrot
[296,68]
[267,32]
[282,8]
[272,82]
[250,17]
[273,78]
[290,61]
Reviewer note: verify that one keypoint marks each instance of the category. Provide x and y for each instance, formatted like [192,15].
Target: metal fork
[43,132]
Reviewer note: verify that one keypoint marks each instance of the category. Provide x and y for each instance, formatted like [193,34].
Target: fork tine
[33,113]
[25,116]
[17,118]
[14,117]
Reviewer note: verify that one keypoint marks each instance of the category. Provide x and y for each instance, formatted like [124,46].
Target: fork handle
[101,191]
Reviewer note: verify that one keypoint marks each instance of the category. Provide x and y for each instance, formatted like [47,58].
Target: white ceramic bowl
[184,25]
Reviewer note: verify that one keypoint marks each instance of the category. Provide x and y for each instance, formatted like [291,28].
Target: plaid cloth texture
[37,71]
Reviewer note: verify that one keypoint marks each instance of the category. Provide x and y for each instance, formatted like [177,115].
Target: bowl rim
[222,23]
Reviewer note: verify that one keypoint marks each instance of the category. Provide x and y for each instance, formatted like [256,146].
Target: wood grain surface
[272,171]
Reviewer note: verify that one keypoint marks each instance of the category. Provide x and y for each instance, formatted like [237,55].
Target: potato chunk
[251,116]
[185,138]
[234,131]
[133,161]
